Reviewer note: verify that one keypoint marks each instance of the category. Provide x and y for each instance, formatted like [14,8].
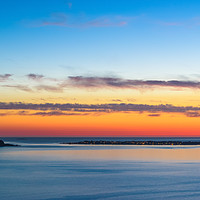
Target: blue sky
[132,39]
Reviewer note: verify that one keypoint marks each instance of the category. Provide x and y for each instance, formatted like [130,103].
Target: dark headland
[2,144]
[101,142]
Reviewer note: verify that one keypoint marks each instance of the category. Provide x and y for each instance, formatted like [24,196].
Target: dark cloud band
[57,109]
[81,81]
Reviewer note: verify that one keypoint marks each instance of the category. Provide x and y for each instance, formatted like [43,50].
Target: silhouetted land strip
[2,144]
[100,142]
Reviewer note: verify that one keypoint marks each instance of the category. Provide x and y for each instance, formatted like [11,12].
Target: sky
[99,68]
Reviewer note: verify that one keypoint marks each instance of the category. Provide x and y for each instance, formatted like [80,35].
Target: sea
[43,168]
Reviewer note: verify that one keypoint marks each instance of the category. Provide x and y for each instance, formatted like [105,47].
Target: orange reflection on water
[134,154]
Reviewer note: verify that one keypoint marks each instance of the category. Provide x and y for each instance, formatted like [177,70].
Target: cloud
[56,19]
[49,88]
[40,77]
[192,114]
[117,100]
[42,113]
[36,77]
[96,82]
[56,113]
[100,82]
[131,99]
[83,21]
[70,21]
[25,88]
[3,114]
[188,23]
[153,110]
[19,87]
[104,22]
[154,115]
[4,77]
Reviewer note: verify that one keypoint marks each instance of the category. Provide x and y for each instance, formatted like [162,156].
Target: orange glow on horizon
[112,124]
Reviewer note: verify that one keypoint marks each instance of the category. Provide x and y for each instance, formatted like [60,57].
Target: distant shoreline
[100,142]
[2,144]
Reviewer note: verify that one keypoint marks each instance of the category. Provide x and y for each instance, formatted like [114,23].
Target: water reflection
[134,154]
[100,173]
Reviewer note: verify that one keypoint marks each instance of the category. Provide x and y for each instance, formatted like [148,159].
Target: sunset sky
[100,68]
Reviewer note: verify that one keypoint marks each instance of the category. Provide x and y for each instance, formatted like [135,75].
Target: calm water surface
[50,171]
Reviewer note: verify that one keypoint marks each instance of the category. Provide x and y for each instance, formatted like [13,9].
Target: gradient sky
[99,68]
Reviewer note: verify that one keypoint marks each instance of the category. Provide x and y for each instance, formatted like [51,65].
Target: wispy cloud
[188,23]
[42,113]
[4,77]
[57,113]
[85,21]
[117,100]
[4,114]
[40,77]
[36,77]
[99,82]
[95,82]
[104,22]
[19,87]
[57,109]
[82,21]
[49,88]
[192,114]
[154,115]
